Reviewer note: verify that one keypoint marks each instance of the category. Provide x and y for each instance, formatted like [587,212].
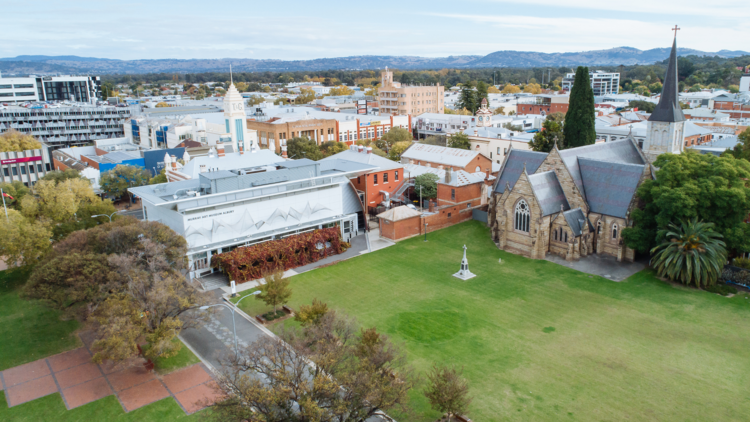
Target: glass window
[5,170]
[15,171]
[396,174]
[375,179]
[522,216]
[385,177]
[453,194]
[39,168]
[614,231]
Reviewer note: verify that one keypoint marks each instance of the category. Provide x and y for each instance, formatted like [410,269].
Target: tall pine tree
[579,127]
[468,98]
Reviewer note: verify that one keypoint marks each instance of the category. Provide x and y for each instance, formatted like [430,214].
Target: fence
[735,275]
[479,215]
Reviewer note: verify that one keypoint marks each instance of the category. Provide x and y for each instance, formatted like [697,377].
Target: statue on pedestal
[464,273]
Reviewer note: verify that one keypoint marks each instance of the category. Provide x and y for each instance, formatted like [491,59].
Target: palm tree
[692,254]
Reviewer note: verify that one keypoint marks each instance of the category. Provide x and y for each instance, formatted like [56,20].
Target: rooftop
[436,154]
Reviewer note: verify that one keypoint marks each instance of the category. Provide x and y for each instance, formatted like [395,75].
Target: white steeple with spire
[236,120]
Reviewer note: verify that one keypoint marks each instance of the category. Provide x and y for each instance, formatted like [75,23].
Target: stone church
[576,202]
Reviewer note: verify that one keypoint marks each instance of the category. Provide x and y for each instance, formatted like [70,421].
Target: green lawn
[543,342]
[28,329]
[52,408]
[182,359]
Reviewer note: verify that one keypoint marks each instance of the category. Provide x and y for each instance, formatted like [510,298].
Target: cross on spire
[675,29]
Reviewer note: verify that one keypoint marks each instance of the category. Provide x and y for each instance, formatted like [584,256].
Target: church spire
[668,109]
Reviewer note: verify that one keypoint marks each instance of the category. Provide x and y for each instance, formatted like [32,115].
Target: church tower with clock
[236,122]
[484,115]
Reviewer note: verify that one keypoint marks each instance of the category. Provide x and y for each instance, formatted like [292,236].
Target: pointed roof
[548,192]
[668,109]
[232,96]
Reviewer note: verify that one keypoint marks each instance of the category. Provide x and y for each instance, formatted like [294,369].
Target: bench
[288,310]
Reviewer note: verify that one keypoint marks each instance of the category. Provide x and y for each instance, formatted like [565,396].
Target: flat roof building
[603,83]
[402,100]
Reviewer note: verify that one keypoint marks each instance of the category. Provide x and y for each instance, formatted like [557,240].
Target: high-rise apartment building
[400,100]
[83,89]
[603,83]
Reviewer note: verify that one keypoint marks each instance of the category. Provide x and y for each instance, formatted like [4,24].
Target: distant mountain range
[507,58]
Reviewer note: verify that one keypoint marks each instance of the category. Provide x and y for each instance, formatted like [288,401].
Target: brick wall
[90,162]
[397,230]
[366,183]
[467,194]
[447,216]
[59,165]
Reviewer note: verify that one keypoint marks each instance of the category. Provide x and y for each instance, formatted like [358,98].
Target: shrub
[742,263]
[272,315]
[722,289]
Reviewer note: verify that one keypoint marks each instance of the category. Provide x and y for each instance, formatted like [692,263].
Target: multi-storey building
[25,166]
[397,99]
[83,89]
[66,126]
[603,83]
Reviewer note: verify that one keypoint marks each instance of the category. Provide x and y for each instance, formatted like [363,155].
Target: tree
[159,178]
[439,140]
[428,184]
[355,376]
[461,111]
[305,96]
[276,290]
[163,104]
[511,89]
[395,135]
[303,147]
[255,100]
[734,89]
[493,90]
[579,126]
[23,242]
[116,182]
[481,93]
[544,140]
[468,98]
[311,314]
[500,111]
[16,190]
[459,140]
[742,149]
[511,126]
[330,148]
[533,88]
[692,253]
[689,185]
[557,116]
[341,90]
[397,149]
[13,140]
[448,391]
[58,176]
[646,106]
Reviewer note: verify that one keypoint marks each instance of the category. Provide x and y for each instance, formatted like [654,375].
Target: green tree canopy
[303,147]
[557,116]
[17,190]
[428,183]
[646,106]
[544,140]
[397,149]
[689,185]
[439,140]
[468,98]
[330,148]
[459,140]
[116,182]
[579,120]
[395,135]
[742,149]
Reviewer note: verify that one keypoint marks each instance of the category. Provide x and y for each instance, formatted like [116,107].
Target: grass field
[28,329]
[52,408]
[543,342]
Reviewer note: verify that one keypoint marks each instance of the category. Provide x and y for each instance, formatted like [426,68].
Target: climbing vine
[253,262]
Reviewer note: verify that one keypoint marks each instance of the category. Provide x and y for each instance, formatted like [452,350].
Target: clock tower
[235,121]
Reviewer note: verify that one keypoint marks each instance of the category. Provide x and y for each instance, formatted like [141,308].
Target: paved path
[601,265]
[80,382]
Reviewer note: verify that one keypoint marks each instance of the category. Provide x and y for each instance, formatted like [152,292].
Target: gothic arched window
[555,234]
[614,231]
[599,227]
[566,237]
[522,216]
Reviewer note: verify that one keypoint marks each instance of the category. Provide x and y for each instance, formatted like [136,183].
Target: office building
[82,89]
[603,83]
[25,166]
[66,126]
[401,100]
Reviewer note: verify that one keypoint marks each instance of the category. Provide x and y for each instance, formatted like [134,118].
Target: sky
[292,29]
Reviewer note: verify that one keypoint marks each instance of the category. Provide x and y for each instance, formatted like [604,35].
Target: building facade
[603,83]
[543,104]
[83,89]
[25,166]
[397,99]
[66,126]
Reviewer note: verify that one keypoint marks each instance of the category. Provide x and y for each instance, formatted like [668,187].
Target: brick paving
[80,382]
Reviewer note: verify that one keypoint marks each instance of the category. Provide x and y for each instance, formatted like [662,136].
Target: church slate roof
[513,167]
[620,151]
[609,187]
[548,192]
[576,220]
[668,109]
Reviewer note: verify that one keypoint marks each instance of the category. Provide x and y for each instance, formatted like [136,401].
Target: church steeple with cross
[666,125]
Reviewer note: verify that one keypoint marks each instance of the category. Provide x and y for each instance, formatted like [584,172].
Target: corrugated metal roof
[609,187]
[548,192]
[437,154]
[374,160]
[514,166]
[620,151]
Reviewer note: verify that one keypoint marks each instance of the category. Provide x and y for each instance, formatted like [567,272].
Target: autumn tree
[356,375]
[116,182]
[397,149]
[311,314]
[448,391]
[533,88]
[305,96]
[13,140]
[340,90]
[511,89]
[15,190]
[255,100]
[23,242]
[275,291]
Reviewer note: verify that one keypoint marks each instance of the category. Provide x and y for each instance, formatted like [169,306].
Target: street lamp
[234,324]
[105,215]
[425,230]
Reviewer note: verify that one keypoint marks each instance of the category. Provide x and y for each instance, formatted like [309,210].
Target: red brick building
[379,185]
[445,158]
[544,104]
[400,223]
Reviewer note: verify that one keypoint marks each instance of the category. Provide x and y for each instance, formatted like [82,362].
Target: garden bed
[271,317]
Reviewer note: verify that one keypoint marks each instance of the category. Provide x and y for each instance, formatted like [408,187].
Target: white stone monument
[464,273]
